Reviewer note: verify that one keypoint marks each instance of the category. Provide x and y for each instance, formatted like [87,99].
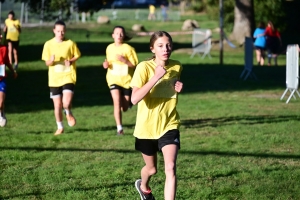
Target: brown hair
[261,25]
[60,22]
[157,35]
[272,26]
[126,36]
[11,13]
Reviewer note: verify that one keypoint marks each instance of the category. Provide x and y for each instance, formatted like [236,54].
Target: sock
[119,127]
[146,192]
[60,125]
[269,58]
[67,112]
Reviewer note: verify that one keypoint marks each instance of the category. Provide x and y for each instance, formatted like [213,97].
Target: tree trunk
[243,20]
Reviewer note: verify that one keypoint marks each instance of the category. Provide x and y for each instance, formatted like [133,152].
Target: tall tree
[243,20]
[49,8]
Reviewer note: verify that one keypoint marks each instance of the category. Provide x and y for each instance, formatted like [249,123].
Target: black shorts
[15,44]
[124,91]
[273,45]
[260,48]
[151,147]
[58,91]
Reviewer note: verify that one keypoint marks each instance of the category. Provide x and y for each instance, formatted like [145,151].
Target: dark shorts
[58,91]
[15,44]
[3,85]
[260,48]
[151,147]
[273,45]
[124,91]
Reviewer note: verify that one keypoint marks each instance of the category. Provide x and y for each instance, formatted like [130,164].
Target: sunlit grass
[238,140]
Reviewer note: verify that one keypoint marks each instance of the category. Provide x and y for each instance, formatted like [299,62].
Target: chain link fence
[135,14]
[26,17]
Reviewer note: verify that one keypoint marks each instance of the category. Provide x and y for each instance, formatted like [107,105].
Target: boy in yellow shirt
[60,55]
[12,28]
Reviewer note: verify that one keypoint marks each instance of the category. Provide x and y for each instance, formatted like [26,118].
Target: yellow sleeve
[179,73]
[75,51]
[46,53]
[18,23]
[132,57]
[140,76]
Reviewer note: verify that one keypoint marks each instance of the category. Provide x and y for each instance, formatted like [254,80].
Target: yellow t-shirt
[119,73]
[157,112]
[12,32]
[58,73]
[152,9]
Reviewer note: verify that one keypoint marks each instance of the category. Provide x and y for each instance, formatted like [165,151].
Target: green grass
[238,140]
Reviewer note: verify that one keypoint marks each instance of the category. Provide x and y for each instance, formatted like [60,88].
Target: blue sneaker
[148,196]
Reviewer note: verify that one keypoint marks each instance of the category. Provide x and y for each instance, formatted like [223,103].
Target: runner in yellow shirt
[12,28]
[155,87]
[60,55]
[151,15]
[120,63]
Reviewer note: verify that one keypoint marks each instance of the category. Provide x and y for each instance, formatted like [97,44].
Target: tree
[49,8]
[243,20]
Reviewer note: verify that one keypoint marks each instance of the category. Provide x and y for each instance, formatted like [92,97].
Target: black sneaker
[143,195]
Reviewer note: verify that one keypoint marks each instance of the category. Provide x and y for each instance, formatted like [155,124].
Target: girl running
[120,63]
[155,87]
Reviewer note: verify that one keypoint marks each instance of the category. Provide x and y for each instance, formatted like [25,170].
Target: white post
[83,19]
[26,13]
[22,12]
[42,12]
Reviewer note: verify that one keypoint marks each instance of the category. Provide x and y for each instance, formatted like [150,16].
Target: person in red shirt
[273,42]
[4,62]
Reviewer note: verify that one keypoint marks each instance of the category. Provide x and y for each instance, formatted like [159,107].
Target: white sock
[119,127]
[67,112]
[60,125]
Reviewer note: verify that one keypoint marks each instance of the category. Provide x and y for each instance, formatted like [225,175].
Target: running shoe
[71,120]
[2,121]
[59,131]
[144,196]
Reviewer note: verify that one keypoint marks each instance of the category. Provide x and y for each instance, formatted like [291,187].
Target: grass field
[239,141]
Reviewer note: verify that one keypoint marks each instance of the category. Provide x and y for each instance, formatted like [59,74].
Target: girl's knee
[152,171]
[170,169]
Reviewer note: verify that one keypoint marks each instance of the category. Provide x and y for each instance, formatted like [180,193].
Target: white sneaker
[2,121]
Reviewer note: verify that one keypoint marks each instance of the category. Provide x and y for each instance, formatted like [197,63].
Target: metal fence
[26,17]
[135,14]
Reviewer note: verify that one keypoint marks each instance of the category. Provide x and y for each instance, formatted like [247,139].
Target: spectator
[273,42]
[260,43]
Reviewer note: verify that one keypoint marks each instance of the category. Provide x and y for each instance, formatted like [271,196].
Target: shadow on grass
[247,120]
[122,151]
[30,92]
[87,49]
[98,130]
[38,194]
